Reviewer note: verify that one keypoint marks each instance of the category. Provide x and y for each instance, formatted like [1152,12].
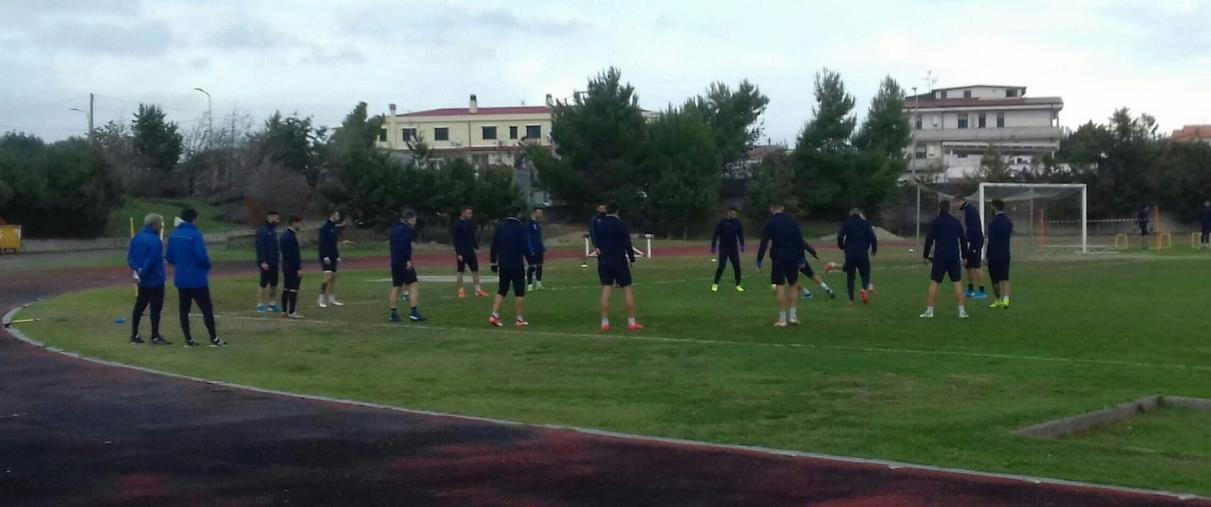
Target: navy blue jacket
[187,254]
[511,245]
[729,234]
[973,223]
[1141,220]
[947,233]
[596,219]
[856,238]
[146,257]
[267,251]
[1000,231]
[465,243]
[401,244]
[1204,216]
[614,239]
[787,238]
[329,237]
[292,258]
[535,231]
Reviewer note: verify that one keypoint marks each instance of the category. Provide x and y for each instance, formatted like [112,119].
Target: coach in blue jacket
[146,261]
[946,233]
[510,251]
[187,254]
[1000,232]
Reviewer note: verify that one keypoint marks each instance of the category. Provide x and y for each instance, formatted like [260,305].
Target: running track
[74,432]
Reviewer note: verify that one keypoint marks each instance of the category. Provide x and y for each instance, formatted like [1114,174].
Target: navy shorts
[785,272]
[401,275]
[942,268]
[329,266]
[515,278]
[614,271]
[998,270]
[975,251]
[806,269]
[468,262]
[269,277]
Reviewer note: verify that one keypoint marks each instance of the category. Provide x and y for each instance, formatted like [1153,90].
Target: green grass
[118,225]
[1173,432]
[877,382]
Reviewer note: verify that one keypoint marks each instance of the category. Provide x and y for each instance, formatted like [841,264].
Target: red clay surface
[79,433]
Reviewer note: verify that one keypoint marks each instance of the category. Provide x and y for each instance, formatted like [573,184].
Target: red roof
[978,102]
[462,111]
[1192,133]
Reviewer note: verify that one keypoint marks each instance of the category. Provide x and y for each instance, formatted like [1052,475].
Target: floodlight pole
[1084,219]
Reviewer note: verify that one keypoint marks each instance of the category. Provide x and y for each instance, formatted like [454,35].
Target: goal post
[1032,192]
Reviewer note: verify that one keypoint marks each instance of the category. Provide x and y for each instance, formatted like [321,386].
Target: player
[974,226]
[1000,232]
[728,242]
[509,252]
[598,215]
[534,239]
[187,254]
[1204,217]
[615,256]
[292,268]
[857,239]
[947,234]
[785,252]
[1141,221]
[268,257]
[465,245]
[330,259]
[403,272]
[146,261]
[806,269]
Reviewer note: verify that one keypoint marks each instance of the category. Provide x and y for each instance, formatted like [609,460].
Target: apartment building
[483,135]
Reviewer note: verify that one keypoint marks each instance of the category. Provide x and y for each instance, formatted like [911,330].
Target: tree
[293,144]
[1117,162]
[599,139]
[358,131]
[823,157]
[993,167]
[733,117]
[64,189]
[682,152]
[496,195]
[774,182]
[157,141]
[883,142]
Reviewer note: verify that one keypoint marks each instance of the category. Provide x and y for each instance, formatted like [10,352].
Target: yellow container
[10,239]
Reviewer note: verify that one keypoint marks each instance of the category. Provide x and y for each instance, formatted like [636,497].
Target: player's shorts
[806,269]
[329,266]
[614,271]
[784,272]
[269,277]
[998,270]
[942,268]
[974,254]
[401,275]
[468,262]
[291,281]
[515,278]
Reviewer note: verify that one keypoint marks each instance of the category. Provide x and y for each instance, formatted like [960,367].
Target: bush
[64,189]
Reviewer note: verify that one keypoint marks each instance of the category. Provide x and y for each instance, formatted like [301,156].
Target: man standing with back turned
[187,254]
[330,259]
[947,233]
[975,248]
[857,239]
[728,242]
[785,253]
[509,253]
[615,256]
[403,272]
[146,261]
[1000,232]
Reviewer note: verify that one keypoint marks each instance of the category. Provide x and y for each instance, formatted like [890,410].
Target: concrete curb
[1090,420]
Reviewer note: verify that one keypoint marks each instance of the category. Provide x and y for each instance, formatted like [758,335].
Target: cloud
[247,34]
[143,38]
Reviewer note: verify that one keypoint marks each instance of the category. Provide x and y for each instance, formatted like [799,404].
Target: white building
[953,127]
[483,135]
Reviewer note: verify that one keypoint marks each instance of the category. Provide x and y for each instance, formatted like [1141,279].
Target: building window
[1000,120]
[944,94]
[981,121]
[916,123]
[1011,92]
[967,94]
[441,134]
[512,131]
[382,135]
[489,133]
[919,151]
[534,132]
[408,134]
[962,120]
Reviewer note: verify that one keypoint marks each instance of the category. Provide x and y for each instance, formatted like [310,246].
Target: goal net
[1051,215]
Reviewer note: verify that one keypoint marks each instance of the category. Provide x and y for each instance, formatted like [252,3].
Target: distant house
[1192,134]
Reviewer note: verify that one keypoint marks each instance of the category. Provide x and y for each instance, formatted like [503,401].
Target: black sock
[394,310]
[285,302]
[294,302]
[413,309]
[971,288]
[981,288]
[538,273]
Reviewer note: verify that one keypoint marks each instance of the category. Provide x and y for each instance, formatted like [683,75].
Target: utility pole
[91,99]
[209,117]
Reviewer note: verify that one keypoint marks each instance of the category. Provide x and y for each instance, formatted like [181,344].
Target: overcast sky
[320,57]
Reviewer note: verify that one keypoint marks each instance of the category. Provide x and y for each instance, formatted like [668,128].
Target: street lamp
[209,116]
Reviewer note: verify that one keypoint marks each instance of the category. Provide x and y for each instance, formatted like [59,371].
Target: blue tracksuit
[857,238]
[534,229]
[401,245]
[330,235]
[187,254]
[146,257]
[465,243]
[729,235]
[946,233]
[267,249]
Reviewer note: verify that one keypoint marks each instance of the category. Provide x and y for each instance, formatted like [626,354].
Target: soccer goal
[1054,215]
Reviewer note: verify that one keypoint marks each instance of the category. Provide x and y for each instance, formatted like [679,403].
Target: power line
[48,103]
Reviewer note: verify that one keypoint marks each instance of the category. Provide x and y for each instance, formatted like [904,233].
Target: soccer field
[1085,332]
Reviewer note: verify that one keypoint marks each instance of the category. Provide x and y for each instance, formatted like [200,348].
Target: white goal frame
[1084,203]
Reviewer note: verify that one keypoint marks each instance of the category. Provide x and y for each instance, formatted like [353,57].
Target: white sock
[520,318]
[631,320]
[824,286]
[794,313]
[782,316]
[605,321]
[497,315]
[928,309]
[962,310]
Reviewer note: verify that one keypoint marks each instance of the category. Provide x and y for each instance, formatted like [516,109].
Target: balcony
[989,135]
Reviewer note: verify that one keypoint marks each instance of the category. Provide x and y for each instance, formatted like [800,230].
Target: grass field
[873,381]
[118,225]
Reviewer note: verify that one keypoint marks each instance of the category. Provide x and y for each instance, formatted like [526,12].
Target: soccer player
[146,261]
[187,253]
[1000,231]
[292,268]
[728,242]
[947,234]
[786,250]
[534,240]
[806,269]
[465,245]
[857,239]
[330,259]
[1204,216]
[592,234]
[975,248]
[268,257]
[509,253]
[403,273]
[1141,220]
[615,256]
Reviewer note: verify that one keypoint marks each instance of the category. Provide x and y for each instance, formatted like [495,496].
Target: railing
[991,134]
